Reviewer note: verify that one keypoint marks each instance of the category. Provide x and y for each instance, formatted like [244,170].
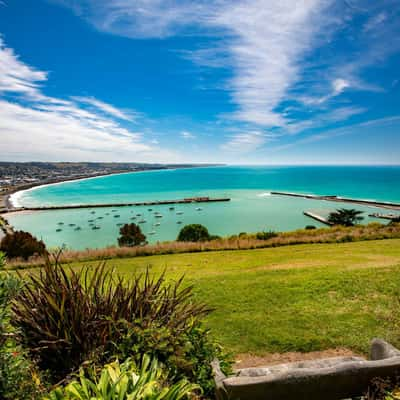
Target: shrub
[131,235]
[66,317]
[124,382]
[186,356]
[193,233]
[345,217]
[16,372]
[265,235]
[22,244]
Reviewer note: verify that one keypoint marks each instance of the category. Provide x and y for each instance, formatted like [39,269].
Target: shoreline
[10,200]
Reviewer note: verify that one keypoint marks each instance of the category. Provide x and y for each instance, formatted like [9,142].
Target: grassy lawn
[294,298]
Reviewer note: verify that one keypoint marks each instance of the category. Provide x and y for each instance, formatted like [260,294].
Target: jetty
[373,203]
[317,218]
[384,216]
[186,200]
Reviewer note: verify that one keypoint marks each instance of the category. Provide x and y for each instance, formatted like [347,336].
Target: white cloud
[16,76]
[187,135]
[375,21]
[262,41]
[245,142]
[35,126]
[108,108]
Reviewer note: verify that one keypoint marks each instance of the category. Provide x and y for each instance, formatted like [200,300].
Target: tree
[345,217]
[131,235]
[193,233]
[22,244]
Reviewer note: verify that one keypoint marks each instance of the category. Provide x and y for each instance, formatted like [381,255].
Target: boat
[78,228]
[133,217]
[100,217]
[152,233]
[158,216]
[199,209]
[172,208]
[58,230]
[90,220]
[142,221]
[92,212]
[179,212]
[95,227]
[179,222]
[120,224]
[60,223]
[157,224]
[71,224]
[138,215]
[116,216]
[150,209]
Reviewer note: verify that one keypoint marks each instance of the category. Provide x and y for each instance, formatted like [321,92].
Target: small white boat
[142,221]
[179,212]
[158,216]
[157,224]
[152,233]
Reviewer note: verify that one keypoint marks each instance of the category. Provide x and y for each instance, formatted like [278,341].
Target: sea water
[252,208]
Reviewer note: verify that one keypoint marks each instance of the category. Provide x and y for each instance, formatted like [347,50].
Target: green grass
[294,298]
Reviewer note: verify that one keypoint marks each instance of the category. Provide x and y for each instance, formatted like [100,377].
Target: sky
[200,81]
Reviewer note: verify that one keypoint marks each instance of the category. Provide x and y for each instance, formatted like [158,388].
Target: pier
[373,203]
[128,204]
[317,218]
[384,216]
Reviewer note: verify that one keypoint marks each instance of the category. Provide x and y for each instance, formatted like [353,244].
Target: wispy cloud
[245,142]
[16,76]
[108,108]
[345,130]
[35,126]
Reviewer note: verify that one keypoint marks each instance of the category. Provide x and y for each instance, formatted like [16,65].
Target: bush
[193,233]
[265,235]
[66,317]
[131,235]
[22,244]
[310,227]
[186,356]
[124,382]
[16,372]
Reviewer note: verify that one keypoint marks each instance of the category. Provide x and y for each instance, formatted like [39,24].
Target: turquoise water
[251,208]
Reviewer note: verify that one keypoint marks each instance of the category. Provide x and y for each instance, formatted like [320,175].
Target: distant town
[16,176]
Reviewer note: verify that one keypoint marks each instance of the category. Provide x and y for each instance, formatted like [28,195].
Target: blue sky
[244,81]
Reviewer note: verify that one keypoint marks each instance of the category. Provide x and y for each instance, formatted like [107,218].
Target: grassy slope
[295,298]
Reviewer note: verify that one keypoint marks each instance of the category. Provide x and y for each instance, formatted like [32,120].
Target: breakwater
[317,218]
[126,204]
[373,203]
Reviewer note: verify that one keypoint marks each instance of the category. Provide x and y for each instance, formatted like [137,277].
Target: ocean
[252,207]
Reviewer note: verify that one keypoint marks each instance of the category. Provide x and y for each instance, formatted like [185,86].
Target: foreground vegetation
[258,240]
[59,321]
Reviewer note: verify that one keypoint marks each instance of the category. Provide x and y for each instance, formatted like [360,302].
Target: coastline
[10,200]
